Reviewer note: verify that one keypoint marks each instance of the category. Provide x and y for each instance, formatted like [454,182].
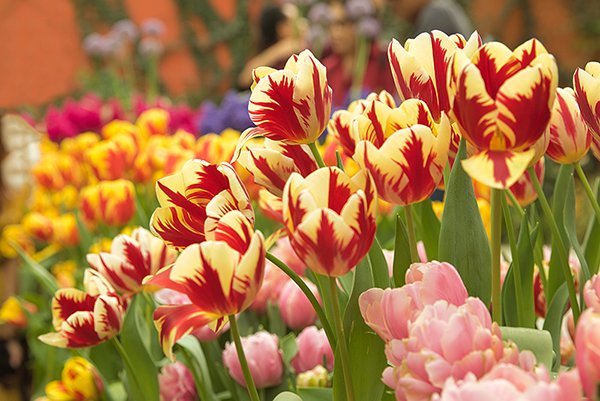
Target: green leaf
[554,318]
[287,396]
[198,365]
[379,266]
[428,227]
[143,367]
[316,394]
[401,253]
[366,350]
[463,241]
[525,259]
[555,274]
[42,276]
[592,238]
[289,347]
[537,341]
[107,361]
[276,324]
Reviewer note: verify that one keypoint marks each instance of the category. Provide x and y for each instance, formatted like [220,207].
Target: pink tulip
[591,293]
[313,349]
[587,355]
[264,360]
[296,310]
[176,383]
[273,282]
[388,312]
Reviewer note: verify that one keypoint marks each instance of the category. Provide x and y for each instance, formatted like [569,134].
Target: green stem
[495,242]
[362,54]
[342,344]
[316,154]
[311,297]
[562,252]
[412,239]
[515,202]
[516,267]
[202,392]
[588,190]
[130,369]
[235,336]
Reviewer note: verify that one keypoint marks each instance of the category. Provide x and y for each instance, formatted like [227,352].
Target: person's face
[342,32]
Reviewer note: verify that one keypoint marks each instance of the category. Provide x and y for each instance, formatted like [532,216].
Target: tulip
[284,252]
[64,272]
[221,278]
[11,312]
[403,148]
[389,312]
[420,68]
[330,218]
[523,188]
[586,84]
[264,360]
[272,163]
[108,202]
[153,122]
[570,137]
[313,350]
[76,146]
[295,308]
[131,259]
[502,103]
[341,121]
[38,226]
[120,127]
[107,160]
[591,293]
[79,381]
[15,234]
[587,355]
[291,105]
[64,230]
[270,205]
[193,200]
[270,289]
[315,377]
[85,318]
[176,383]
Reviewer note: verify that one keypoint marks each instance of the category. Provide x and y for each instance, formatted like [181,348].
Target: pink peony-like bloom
[444,341]
[264,360]
[295,308]
[388,312]
[587,356]
[313,349]
[273,282]
[176,383]
[591,293]
[507,382]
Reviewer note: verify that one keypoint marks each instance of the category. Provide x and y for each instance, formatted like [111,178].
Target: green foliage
[537,341]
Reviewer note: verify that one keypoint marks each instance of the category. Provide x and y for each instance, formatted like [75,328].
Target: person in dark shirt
[426,15]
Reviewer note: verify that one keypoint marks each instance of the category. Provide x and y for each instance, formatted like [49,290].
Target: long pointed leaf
[428,228]
[554,318]
[401,253]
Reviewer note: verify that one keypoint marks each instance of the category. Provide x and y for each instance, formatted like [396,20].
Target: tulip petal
[498,169]
[176,321]
[67,301]
[496,64]
[234,229]
[79,330]
[108,316]
[587,94]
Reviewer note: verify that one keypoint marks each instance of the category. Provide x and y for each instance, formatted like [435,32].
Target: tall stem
[588,190]
[515,202]
[316,154]
[412,239]
[311,297]
[562,251]
[235,336]
[130,369]
[516,266]
[342,344]
[495,242]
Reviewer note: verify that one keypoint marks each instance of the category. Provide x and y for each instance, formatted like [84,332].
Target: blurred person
[342,58]
[426,15]
[281,35]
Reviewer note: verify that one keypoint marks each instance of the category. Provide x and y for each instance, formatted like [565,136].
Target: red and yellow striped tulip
[570,136]
[109,202]
[220,276]
[153,122]
[193,200]
[111,159]
[341,121]
[502,103]
[523,189]
[330,218]
[270,205]
[290,105]
[586,84]
[64,230]
[420,67]
[85,318]
[38,226]
[131,259]
[80,381]
[12,312]
[76,146]
[272,163]
[403,148]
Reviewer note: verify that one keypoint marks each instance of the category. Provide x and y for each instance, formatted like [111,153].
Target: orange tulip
[108,202]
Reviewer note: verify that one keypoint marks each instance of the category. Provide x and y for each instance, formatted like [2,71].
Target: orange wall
[41,54]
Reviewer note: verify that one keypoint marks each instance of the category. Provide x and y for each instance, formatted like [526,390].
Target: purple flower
[360,8]
[369,27]
[150,47]
[319,14]
[153,27]
[125,29]
[96,45]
